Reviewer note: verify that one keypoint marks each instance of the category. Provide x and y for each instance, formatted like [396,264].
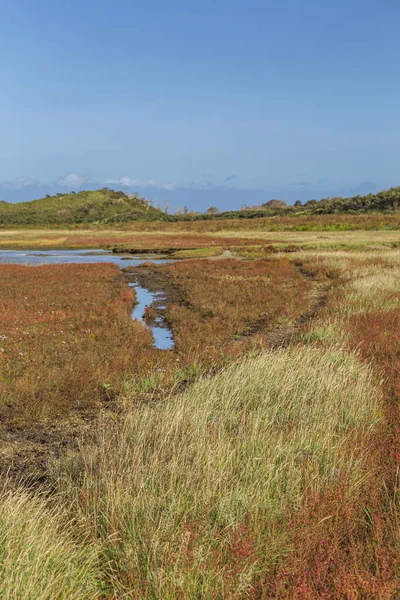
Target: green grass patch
[198,252]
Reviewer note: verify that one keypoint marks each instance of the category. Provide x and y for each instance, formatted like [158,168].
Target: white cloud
[127,181]
[73,180]
[130,182]
[21,182]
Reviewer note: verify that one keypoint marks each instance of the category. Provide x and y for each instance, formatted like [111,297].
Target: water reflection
[162,334]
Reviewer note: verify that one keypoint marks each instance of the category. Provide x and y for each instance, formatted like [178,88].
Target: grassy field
[203,235]
[69,348]
[246,463]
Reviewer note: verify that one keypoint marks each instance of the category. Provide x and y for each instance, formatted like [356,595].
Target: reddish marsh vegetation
[128,239]
[225,297]
[66,338]
[158,242]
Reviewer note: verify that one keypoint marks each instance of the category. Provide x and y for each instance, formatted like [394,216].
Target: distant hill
[105,207]
[101,206]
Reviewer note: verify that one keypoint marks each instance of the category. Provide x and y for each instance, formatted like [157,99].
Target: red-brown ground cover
[66,338]
[223,298]
[157,242]
[347,544]
[127,239]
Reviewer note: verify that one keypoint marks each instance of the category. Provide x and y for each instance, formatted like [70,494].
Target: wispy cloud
[73,180]
[129,182]
[21,183]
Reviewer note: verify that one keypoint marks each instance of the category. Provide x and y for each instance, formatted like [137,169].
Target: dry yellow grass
[371,282]
[321,239]
[92,238]
[167,490]
[39,559]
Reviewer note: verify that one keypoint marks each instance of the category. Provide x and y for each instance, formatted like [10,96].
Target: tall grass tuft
[38,558]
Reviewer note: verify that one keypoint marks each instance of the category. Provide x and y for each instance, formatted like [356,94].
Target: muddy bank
[148,251]
[25,452]
[174,253]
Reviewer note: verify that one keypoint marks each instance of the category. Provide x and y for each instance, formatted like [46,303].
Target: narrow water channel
[162,334]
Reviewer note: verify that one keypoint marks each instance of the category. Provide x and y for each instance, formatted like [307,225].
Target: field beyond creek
[256,459]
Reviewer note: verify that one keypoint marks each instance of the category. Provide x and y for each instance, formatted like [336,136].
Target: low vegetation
[225,298]
[124,241]
[40,557]
[55,352]
[231,467]
[57,355]
[349,546]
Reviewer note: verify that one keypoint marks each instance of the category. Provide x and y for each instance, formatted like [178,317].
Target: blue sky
[199,102]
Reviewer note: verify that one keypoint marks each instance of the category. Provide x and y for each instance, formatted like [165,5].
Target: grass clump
[187,498]
[38,558]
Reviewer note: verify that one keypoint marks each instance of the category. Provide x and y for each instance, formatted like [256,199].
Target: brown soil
[25,452]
